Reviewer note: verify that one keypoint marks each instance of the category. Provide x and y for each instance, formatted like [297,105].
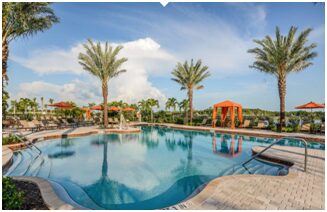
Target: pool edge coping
[49,196]
[239,131]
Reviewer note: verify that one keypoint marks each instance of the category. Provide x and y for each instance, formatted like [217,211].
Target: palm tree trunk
[5,53]
[190,97]
[282,94]
[105,102]
[151,116]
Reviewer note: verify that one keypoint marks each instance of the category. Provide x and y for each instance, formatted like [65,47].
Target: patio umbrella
[129,109]
[61,105]
[311,105]
[114,108]
[97,107]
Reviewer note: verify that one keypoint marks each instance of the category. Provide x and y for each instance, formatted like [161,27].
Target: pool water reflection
[154,169]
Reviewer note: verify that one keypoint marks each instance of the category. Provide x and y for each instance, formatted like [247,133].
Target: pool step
[255,167]
[44,170]
[77,194]
[27,156]
[35,166]
[17,159]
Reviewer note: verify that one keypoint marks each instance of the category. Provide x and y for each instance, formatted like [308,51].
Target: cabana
[225,106]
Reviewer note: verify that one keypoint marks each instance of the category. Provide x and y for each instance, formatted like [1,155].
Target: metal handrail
[280,139]
[26,143]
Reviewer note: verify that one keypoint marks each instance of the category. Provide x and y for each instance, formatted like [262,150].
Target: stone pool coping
[62,133]
[7,155]
[50,198]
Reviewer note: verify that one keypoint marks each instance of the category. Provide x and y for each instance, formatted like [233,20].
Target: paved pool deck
[297,190]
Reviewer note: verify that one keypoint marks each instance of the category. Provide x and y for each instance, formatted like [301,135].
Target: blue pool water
[154,169]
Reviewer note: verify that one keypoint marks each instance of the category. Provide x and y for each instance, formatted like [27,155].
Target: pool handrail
[27,144]
[277,141]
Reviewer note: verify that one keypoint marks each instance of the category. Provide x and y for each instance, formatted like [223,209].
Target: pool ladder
[281,139]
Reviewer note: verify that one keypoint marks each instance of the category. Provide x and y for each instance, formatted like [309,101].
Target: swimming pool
[154,169]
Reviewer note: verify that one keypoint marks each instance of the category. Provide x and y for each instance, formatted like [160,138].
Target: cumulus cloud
[48,61]
[145,57]
[199,34]
[78,91]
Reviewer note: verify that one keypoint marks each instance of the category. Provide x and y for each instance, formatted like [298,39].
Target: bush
[179,120]
[12,199]
[11,139]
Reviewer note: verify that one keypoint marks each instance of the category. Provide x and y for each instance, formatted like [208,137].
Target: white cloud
[52,61]
[254,14]
[318,34]
[145,57]
[78,91]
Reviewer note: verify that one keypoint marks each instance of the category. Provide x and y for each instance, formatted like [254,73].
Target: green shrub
[12,199]
[11,139]
[314,127]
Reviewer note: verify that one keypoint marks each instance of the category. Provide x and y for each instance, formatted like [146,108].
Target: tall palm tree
[189,76]
[51,101]
[171,103]
[183,105]
[34,105]
[42,104]
[104,64]
[152,103]
[23,19]
[282,56]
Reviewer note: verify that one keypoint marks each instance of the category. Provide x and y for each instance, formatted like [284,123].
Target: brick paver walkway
[297,190]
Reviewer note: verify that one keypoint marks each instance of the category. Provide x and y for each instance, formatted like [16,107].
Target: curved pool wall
[154,169]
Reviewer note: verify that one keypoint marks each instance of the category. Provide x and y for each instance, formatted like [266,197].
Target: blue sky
[155,38]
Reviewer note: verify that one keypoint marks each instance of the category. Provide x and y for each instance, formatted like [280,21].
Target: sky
[155,38]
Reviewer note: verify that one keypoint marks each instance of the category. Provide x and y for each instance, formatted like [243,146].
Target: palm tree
[104,64]
[51,101]
[189,76]
[42,103]
[34,105]
[91,104]
[282,56]
[183,105]
[171,103]
[23,19]
[152,103]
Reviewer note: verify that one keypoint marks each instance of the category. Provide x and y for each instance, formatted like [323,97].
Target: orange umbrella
[61,105]
[97,107]
[114,108]
[129,109]
[310,105]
